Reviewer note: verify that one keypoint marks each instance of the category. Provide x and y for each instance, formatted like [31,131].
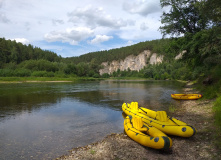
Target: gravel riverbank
[197,113]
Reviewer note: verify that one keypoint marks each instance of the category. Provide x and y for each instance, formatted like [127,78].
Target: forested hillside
[197,33]
[157,46]
[13,52]
[18,60]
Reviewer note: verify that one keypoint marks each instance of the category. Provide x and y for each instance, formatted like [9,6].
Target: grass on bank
[44,79]
[213,91]
[217,116]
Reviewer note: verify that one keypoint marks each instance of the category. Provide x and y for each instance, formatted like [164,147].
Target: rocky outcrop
[180,55]
[134,63]
[154,59]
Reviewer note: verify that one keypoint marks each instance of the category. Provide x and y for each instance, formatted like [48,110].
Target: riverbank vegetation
[46,79]
[196,35]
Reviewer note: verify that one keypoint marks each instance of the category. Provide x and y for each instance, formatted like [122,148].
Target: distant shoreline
[61,80]
[69,79]
[44,79]
[33,81]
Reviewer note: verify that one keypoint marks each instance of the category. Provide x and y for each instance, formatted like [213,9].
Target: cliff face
[134,63]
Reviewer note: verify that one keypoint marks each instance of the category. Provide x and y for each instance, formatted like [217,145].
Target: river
[45,120]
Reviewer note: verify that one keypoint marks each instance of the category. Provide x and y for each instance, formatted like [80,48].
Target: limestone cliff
[134,63]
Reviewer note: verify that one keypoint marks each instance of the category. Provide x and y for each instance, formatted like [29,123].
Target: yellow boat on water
[186,96]
[145,134]
[160,120]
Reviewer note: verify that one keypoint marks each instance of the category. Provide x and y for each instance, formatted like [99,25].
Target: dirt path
[197,113]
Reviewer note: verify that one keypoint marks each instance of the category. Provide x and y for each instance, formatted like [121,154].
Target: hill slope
[157,46]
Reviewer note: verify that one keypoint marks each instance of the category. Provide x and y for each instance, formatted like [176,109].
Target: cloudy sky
[72,28]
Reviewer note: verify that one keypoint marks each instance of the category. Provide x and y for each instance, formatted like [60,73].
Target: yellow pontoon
[146,135]
[160,120]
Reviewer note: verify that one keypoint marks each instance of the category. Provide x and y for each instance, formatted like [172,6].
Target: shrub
[96,75]
[22,73]
[105,75]
[42,74]
[7,73]
[39,65]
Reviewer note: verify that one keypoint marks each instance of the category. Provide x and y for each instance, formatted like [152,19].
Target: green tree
[148,72]
[70,69]
[82,69]
[105,75]
[184,16]
[212,10]
[14,55]
[202,46]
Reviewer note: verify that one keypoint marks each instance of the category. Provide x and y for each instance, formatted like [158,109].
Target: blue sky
[72,28]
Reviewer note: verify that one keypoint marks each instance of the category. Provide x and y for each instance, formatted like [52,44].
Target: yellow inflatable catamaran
[186,96]
[160,120]
[145,134]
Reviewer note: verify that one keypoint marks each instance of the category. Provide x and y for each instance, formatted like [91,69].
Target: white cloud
[3,18]
[94,17]
[57,21]
[142,7]
[100,38]
[70,35]
[21,40]
[144,26]
[129,43]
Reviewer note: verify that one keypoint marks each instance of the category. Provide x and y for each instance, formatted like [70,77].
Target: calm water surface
[45,120]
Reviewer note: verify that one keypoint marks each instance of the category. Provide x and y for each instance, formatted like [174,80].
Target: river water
[45,120]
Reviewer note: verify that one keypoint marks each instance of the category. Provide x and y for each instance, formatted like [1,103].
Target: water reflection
[44,120]
[20,98]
